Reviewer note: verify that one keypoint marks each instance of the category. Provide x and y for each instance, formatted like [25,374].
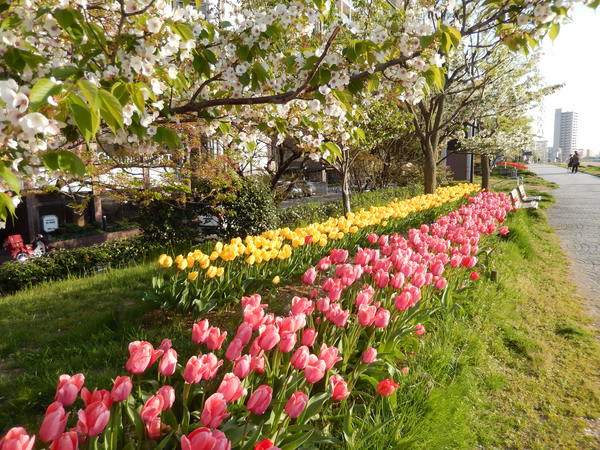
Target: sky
[573,59]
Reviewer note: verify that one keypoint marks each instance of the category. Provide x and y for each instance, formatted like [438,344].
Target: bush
[253,211]
[60,264]
[169,221]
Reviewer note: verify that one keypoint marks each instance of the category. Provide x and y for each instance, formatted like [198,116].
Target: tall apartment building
[565,133]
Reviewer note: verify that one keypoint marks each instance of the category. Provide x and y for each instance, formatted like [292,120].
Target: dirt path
[576,218]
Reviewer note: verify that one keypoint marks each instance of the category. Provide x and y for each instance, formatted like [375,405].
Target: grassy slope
[516,366]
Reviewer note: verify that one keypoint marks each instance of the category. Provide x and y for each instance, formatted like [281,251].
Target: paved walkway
[576,218]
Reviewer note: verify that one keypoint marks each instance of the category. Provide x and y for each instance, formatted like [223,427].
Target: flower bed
[284,381]
[197,280]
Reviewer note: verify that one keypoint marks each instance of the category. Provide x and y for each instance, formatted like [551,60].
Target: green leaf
[554,30]
[90,92]
[7,207]
[65,161]
[136,96]
[426,41]
[87,120]
[434,77]
[454,35]
[9,177]
[333,149]
[64,72]
[446,43]
[110,110]
[41,90]
[67,19]
[119,90]
[315,404]
[167,137]
[184,30]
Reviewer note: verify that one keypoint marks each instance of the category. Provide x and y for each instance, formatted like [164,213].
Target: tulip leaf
[163,444]
[296,441]
[315,404]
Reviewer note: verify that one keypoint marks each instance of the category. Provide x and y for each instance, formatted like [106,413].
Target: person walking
[570,163]
[575,163]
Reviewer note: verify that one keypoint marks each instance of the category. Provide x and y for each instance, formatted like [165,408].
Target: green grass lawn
[589,168]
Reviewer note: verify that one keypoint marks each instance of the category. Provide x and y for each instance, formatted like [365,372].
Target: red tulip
[260,400]
[309,276]
[474,276]
[66,441]
[215,411]
[386,387]
[98,394]
[141,356]
[308,336]
[338,387]
[93,419]
[168,395]
[54,422]
[419,329]
[269,338]
[329,355]
[168,363]
[265,444]
[369,355]
[231,388]
[200,331]
[17,439]
[315,369]
[68,388]
[205,439]
[214,339]
[121,389]
[241,367]
[152,408]
[382,318]
[296,404]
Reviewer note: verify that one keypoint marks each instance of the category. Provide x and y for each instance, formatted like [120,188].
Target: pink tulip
[200,331]
[153,429]
[324,263]
[469,261]
[441,283]
[397,280]
[323,304]
[369,355]
[382,318]
[405,370]
[503,230]
[338,256]
[253,300]
[165,345]
[419,329]
[381,278]
[337,315]
[302,305]
[205,439]
[403,301]
[269,338]
[308,336]
[141,356]
[98,394]
[168,395]
[419,280]
[193,371]
[54,422]
[296,404]
[168,363]
[315,369]
[338,387]
[372,238]
[309,276]
[366,314]
[314,293]
[437,268]
[231,388]
[68,388]
[121,389]
[287,342]
[244,333]
[257,364]
[234,350]
[211,365]
[300,358]
[329,355]
[17,439]
[93,419]
[260,400]
[152,408]
[214,339]
[66,441]
[215,411]
[241,367]
[253,316]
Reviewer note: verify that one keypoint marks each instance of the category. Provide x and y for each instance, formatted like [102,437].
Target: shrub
[253,211]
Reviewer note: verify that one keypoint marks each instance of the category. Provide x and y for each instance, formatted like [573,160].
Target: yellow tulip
[214,255]
[250,260]
[178,259]
[182,265]
[192,276]
[276,280]
[220,271]
[211,272]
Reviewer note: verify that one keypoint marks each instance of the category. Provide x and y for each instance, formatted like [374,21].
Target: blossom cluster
[281,364]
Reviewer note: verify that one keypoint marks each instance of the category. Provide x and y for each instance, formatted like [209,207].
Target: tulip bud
[296,404]
[260,400]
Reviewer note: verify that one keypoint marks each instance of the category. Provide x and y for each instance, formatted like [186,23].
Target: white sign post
[49,223]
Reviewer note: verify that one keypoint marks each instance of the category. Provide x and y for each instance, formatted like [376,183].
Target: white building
[565,133]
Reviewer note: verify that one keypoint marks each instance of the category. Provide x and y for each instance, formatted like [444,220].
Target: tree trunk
[346,191]
[485,171]
[429,171]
